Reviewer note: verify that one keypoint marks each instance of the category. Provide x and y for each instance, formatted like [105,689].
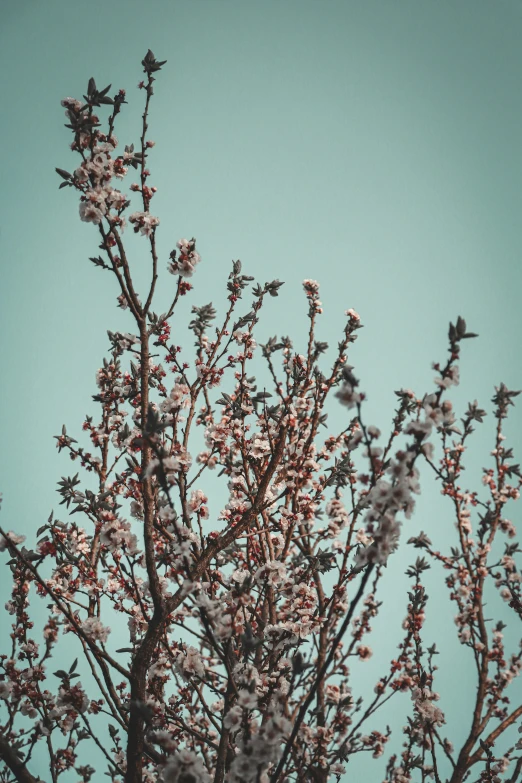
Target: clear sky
[373,145]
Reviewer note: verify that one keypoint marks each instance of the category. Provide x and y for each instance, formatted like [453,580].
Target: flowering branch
[238,629]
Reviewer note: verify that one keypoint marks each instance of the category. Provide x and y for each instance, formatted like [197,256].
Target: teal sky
[373,145]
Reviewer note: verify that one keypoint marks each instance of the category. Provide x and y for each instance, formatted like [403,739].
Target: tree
[239,632]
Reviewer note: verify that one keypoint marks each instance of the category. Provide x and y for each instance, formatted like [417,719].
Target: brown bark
[11,758]
[141,663]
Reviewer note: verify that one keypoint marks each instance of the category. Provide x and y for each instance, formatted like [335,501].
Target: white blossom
[95,630]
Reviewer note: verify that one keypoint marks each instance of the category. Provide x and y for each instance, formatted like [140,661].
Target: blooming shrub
[241,625]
